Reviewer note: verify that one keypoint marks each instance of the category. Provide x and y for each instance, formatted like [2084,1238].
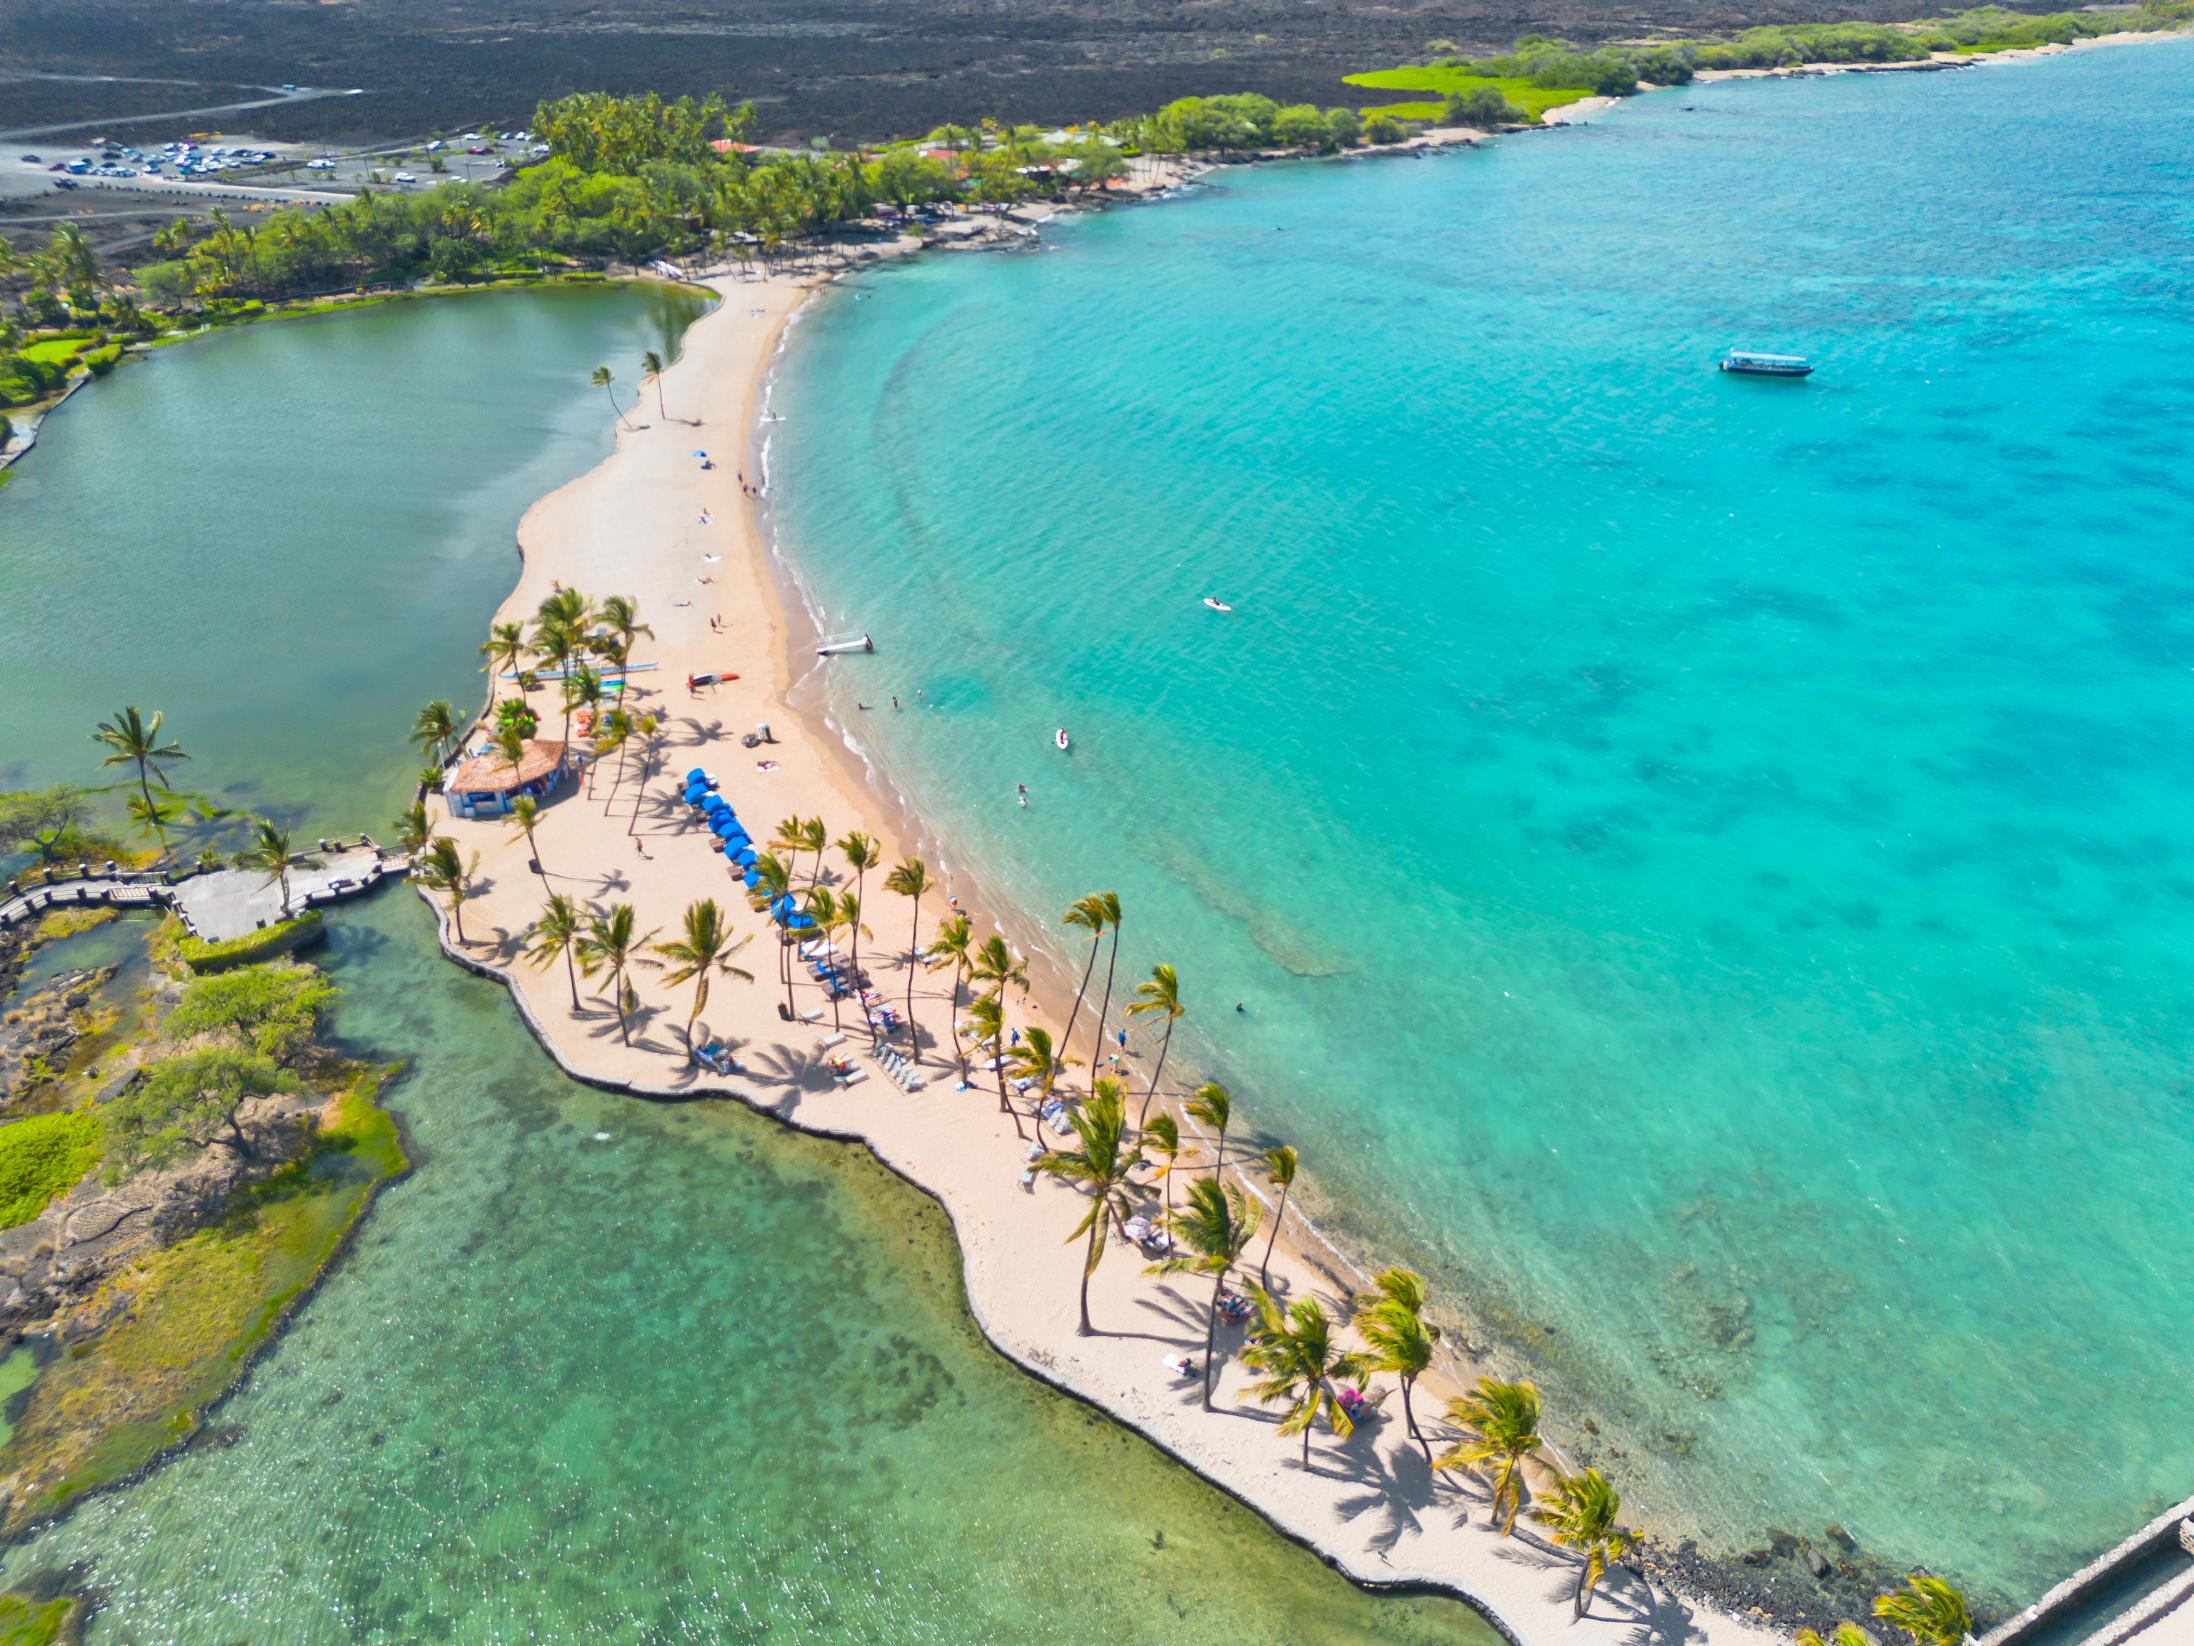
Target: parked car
[32,160]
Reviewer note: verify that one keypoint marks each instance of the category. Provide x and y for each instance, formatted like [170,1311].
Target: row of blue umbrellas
[737,845]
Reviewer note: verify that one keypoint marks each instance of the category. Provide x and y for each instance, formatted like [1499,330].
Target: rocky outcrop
[38,1034]
[64,1254]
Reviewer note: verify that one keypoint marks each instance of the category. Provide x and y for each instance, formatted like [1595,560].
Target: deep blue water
[1704,859]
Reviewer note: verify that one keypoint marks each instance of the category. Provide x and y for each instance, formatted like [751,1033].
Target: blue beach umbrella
[724,824]
[744,856]
[714,803]
[696,776]
[752,878]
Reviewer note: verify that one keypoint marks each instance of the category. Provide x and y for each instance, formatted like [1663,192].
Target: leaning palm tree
[861,854]
[1111,903]
[705,948]
[814,837]
[1087,914]
[1211,1105]
[1164,1136]
[1927,1609]
[911,881]
[503,649]
[615,732]
[1103,1164]
[772,885]
[1216,1225]
[1391,1320]
[443,869]
[600,377]
[611,943]
[994,965]
[524,817]
[820,904]
[413,829]
[270,852]
[1161,993]
[1295,1351]
[1036,1059]
[557,932]
[1581,1515]
[1844,1634]
[791,837]
[987,1015]
[1280,1174]
[950,947]
[651,365]
[130,739]
[435,726]
[1500,1424]
[620,614]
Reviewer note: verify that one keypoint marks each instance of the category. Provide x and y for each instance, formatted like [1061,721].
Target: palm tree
[444,870]
[554,643]
[1214,1108]
[413,829]
[269,850]
[1111,903]
[432,730]
[620,614]
[1087,914]
[565,609]
[504,648]
[1161,993]
[524,817]
[1927,1609]
[557,932]
[1844,1634]
[911,881]
[651,365]
[1104,1166]
[987,1012]
[1500,1424]
[994,965]
[601,379]
[614,732]
[1217,1226]
[611,945]
[1391,1319]
[153,817]
[1280,1173]
[821,905]
[1582,1517]
[706,947]
[791,838]
[773,883]
[815,837]
[861,854]
[1164,1135]
[131,739]
[582,690]
[1036,1059]
[950,947]
[1294,1348]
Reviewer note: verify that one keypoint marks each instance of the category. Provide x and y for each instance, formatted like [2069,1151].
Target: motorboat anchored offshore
[1751,363]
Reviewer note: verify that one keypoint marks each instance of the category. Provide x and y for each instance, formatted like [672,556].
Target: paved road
[276,96]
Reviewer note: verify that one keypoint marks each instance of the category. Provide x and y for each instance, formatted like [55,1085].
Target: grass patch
[54,351]
[1528,95]
[187,1318]
[59,923]
[43,1156]
[252,947]
[28,1622]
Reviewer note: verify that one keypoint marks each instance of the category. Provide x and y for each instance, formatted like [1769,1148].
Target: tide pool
[596,1370]
[1702,859]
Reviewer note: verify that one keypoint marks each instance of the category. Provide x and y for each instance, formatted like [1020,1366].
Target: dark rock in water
[1816,1562]
[1843,1540]
[1757,1557]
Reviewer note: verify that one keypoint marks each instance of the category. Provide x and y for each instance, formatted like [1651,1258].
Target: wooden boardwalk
[215,904]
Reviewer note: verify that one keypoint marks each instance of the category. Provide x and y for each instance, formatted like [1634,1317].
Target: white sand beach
[652,523]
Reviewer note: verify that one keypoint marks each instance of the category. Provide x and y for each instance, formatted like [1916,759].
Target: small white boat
[844,643]
[1061,739]
[1217,604]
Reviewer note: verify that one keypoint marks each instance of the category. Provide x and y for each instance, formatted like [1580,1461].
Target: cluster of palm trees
[651,368]
[570,635]
[608,944]
[1927,1611]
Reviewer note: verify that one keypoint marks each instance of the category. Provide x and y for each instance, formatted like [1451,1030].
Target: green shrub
[101,361]
[272,1009]
[203,957]
[43,1156]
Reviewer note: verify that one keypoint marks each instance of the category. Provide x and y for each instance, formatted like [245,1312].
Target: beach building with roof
[486,784]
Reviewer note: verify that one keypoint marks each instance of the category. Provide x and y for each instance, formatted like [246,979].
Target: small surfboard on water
[1061,739]
[1217,604]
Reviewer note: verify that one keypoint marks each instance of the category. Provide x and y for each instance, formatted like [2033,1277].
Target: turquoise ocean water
[596,1371]
[1704,860]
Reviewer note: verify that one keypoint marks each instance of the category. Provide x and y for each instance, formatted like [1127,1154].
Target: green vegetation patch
[42,1157]
[187,1318]
[1530,99]
[28,1622]
[53,351]
[253,947]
